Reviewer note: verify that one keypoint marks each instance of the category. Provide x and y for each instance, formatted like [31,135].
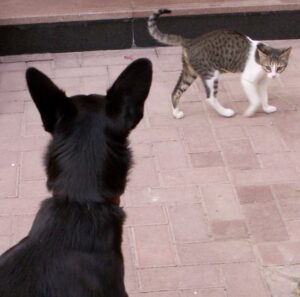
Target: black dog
[74,246]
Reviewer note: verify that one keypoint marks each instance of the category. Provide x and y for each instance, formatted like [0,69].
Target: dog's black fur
[74,246]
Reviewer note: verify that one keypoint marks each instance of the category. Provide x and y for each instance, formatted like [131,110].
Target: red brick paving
[213,204]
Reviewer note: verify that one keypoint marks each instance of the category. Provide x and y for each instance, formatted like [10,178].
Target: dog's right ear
[48,98]
[126,97]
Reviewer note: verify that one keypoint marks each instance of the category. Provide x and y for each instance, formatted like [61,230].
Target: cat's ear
[48,98]
[126,97]
[262,51]
[286,54]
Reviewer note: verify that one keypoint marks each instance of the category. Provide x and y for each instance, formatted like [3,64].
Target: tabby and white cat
[219,52]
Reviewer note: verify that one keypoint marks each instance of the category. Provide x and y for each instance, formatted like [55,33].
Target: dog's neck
[111,200]
[84,175]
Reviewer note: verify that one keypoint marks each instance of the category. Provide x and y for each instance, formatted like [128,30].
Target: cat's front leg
[251,90]
[263,92]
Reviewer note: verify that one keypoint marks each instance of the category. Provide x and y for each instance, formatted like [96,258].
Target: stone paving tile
[230,133]
[244,280]
[5,243]
[9,182]
[5,226]
[11,107]
[152,215]
[153,135]
[13,66]
[153,246]
[254,194]
[264,222]
[15,206]
[293,228]
[265,176]
[283,253]
[287,196]
[44,66]
[158,294]
[215,252]
[207,159]
[185,194]
[182,277]
[170,155]
[15,96]
[35,143]
[33,189]
[9,159]
[265,139]
[66,60]
[289,131]
[198,176]
[200,139]
[80,71]
[32,166]
[220,202]
[131,275]
[196,117]
[188,222]
[229,229]
[72,85]
[21,225]
[213,204]
[12,124]
[12,81]
[239,154]
[213,292]
[276,160]
[283,281]
[144,174]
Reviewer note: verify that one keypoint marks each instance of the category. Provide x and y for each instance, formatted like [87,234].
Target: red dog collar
[114,200]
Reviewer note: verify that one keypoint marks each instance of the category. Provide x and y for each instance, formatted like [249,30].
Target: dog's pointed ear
[48,98]
[127,95]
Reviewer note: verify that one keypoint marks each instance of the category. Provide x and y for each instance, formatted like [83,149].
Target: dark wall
[118,34]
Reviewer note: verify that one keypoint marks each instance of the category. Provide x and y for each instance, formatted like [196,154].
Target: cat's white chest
[253,72]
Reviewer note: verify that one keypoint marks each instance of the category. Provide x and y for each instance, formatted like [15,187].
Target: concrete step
[31,26]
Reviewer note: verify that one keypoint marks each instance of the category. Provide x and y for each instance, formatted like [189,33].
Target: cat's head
[272,60]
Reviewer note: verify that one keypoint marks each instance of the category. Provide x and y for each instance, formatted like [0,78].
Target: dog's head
[88,158]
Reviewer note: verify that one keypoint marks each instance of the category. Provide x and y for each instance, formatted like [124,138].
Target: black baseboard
[119,34]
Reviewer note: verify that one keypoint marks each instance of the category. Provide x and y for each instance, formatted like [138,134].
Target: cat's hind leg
[211,88]
[263,93]
[183,83]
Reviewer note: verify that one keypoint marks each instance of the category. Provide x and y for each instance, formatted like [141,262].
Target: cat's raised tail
[169,39]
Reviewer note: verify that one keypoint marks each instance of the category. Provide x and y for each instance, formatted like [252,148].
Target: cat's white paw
[178,114]
[228,113]
[250,111]
[269,109]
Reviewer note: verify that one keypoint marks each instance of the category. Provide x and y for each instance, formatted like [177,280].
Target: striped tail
[159,36]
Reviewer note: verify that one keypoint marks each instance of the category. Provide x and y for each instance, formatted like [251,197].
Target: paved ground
[213,204]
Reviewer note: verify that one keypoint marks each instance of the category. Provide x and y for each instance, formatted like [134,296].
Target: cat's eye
[280,69]
[268,68]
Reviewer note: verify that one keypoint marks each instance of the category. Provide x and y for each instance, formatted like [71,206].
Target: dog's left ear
[127,96]
[48,98]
